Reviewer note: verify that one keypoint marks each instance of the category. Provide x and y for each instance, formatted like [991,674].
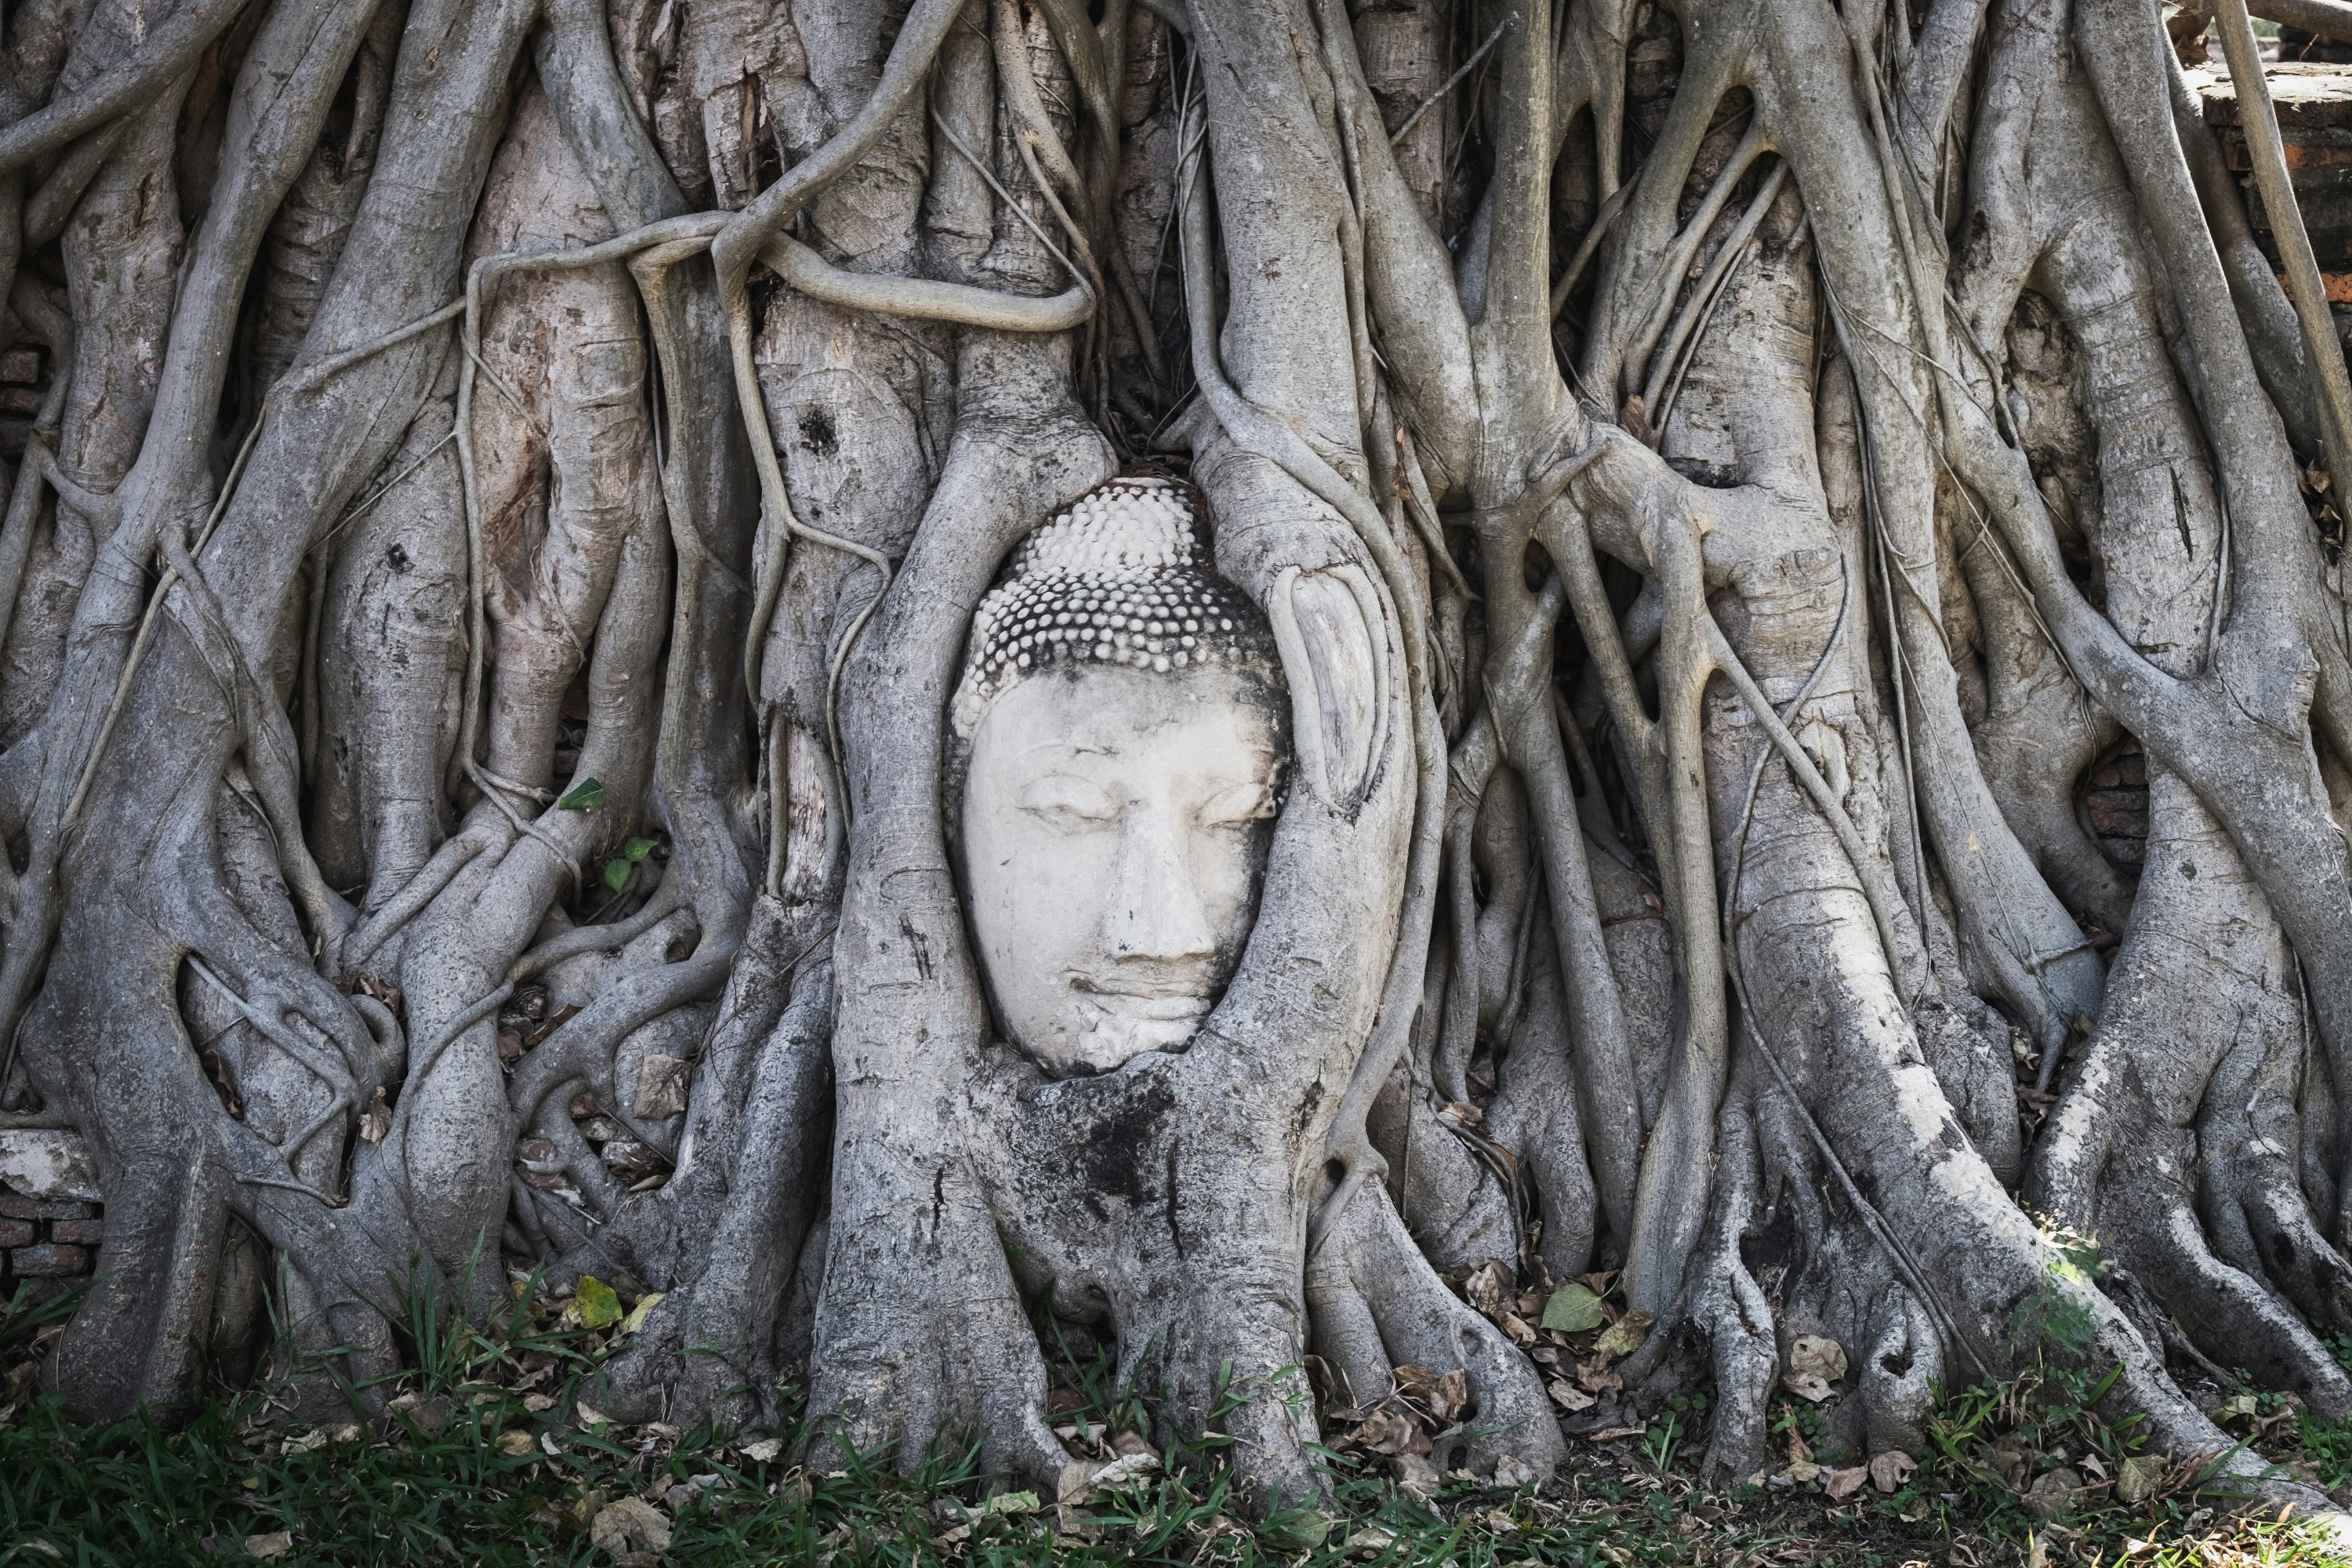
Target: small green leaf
[588,794]
[616,874]
[636,849]
[595,1301]
[1573,1309]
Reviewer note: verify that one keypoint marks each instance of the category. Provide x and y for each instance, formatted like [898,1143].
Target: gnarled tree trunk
[509,487]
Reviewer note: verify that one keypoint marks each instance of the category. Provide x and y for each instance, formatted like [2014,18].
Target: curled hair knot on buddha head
[1120,578]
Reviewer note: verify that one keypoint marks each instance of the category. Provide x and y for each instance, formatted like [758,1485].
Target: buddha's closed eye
[1068,802]
[1235,805]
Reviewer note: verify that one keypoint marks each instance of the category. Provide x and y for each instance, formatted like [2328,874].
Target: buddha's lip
[1163,1001]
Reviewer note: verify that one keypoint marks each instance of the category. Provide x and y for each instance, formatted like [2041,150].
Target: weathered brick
[80,1232]
[47,1262]
[15,1233]
[2114,817]
[16,1206]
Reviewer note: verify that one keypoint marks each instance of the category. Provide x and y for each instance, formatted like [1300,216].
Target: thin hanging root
[1456,80]
[421,1061]
[163,54]
[1881,897]
[667,900]
[1672,266]
[300,380]
[1899,1255]
[453,857]
[47,209]
[2323,351]
[1590,247]
[585,1042]
[163,586]
[1700,306]
[341,1084]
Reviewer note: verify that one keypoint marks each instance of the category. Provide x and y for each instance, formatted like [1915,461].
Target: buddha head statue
[1121,735]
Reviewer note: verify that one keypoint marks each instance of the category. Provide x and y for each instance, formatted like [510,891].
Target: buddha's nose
[1156,913]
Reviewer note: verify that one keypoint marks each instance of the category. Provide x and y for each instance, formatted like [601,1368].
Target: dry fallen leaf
[376,1122]
[1843,1484]
[1572,1398]
[661,1088]
[1414,1474]
[2054,1494]
[1450,1396]
[2138,1477]
[1488,1286]
[1815,1362]
[1889,1470]
[1087,1477]
[1624,1336]
[1805,1386]
[629,1525]
[1817,1352]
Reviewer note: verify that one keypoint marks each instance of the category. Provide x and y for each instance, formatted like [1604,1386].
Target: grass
[491,1461]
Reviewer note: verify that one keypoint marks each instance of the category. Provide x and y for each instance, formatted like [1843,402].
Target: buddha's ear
[1332,631]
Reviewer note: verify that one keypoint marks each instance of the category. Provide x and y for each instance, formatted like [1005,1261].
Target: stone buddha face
[1119,786]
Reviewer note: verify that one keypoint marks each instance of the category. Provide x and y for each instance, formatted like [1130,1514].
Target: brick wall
[46,1243]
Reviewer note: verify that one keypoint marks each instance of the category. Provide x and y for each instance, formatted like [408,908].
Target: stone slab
[47,1163]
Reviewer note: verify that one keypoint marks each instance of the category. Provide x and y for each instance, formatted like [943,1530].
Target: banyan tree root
[499,528]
